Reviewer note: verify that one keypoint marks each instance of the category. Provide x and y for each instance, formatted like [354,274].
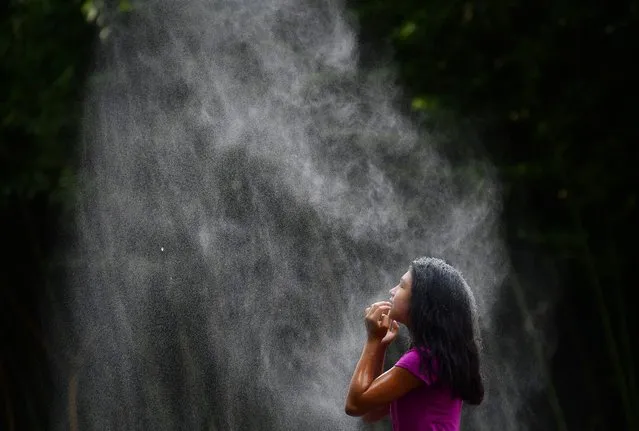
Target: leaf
[125,6]
[407,30]
[90,10]
[424,103]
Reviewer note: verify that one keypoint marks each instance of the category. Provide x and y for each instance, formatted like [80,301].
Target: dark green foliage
[44,51]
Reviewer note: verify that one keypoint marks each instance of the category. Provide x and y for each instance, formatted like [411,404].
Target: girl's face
[400,298]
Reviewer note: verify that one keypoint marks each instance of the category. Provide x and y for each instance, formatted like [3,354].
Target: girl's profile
[427,386]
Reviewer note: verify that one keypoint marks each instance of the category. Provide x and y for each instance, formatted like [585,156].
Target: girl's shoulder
[411,360]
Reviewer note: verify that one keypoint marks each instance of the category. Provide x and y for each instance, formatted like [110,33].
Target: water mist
[246,192]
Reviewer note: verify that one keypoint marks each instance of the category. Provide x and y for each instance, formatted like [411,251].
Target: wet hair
[443,328]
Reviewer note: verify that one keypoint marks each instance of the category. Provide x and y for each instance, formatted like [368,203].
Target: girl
[426,387]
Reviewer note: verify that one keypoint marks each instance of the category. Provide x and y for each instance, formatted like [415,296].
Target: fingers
[391,325]
[386,321]
[383,305]
[391,333]
[378,313]
[394,326]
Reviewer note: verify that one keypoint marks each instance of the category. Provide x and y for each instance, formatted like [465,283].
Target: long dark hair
[443,328]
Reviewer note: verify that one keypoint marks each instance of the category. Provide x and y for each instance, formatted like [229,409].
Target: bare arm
[370,392]
[391,385]
[367,370]
[379,412]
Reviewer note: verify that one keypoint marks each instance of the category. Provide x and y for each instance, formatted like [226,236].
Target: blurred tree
[44,47]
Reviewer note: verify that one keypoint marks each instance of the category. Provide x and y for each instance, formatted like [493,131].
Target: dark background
[550,88]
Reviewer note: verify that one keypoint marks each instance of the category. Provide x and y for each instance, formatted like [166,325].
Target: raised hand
[378,324]
[393,330]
